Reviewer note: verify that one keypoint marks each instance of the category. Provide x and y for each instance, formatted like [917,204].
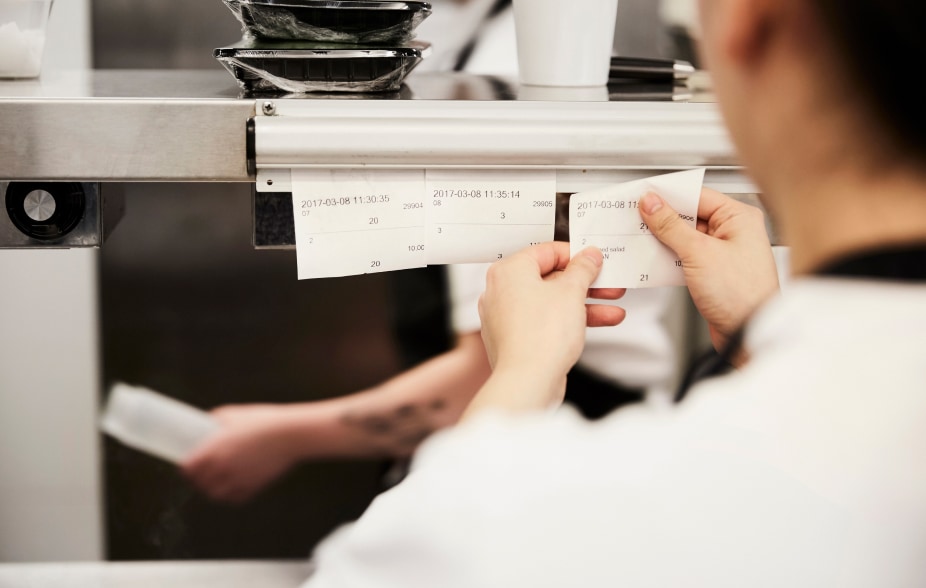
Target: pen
[624,90]
[640,68]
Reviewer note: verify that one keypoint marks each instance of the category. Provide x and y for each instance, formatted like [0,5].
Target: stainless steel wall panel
[124,125]
[160,33]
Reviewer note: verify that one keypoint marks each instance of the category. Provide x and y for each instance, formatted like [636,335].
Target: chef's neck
[826,216]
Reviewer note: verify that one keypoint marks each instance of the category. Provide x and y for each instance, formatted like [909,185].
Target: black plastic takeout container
[331,21]
[300,67]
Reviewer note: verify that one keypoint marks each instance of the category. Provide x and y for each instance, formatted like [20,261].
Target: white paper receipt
[351,222]
[609,218]
[482,216]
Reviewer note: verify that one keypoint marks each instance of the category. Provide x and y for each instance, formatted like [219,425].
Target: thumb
[584,268]
[665,223]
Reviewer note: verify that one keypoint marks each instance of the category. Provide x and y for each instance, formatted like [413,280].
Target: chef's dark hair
[884,44]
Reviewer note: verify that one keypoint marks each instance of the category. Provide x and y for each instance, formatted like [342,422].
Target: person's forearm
[391,419]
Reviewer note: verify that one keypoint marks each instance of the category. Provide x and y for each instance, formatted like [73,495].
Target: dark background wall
[190,309]
[160,33]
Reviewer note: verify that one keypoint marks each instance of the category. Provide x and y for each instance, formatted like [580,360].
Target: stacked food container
[298,46]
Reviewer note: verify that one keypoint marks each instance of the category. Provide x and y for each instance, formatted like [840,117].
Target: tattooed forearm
[399,429]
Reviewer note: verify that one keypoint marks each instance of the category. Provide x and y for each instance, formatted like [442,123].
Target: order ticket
[352,222]
[482,216]
[609,218]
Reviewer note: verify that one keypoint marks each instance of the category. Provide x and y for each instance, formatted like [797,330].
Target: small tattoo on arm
[406,426]
[405,411]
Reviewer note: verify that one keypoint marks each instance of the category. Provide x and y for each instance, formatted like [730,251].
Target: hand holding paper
[609,218]
[534,313]
[727,263]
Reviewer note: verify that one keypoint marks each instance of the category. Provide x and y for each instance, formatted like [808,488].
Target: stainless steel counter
[126,125]
[175,574]
[123,125]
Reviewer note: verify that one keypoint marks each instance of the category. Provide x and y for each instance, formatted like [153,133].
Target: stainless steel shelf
[124,126]
[112,125]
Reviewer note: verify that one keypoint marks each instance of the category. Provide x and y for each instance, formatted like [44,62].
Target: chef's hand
[250,450]
[728,262]
[534,312]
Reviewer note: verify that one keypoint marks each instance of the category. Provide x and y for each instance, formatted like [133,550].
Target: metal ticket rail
[116,126]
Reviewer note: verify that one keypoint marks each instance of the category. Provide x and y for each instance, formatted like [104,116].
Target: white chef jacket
[803,469]
[638,353]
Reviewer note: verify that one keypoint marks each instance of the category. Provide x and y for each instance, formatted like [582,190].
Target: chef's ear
[746,28]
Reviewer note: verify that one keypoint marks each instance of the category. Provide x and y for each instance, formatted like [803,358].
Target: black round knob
[45,210]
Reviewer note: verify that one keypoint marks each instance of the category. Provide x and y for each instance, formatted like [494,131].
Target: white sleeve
[641,499]
[466,282]
[498,502]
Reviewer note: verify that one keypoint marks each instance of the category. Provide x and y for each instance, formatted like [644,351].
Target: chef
[800,467]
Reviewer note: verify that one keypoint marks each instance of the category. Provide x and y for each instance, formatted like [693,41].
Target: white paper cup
[22,37]
[156,424]
[565,42]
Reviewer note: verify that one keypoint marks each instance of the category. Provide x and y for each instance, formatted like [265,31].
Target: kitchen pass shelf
[148,125]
